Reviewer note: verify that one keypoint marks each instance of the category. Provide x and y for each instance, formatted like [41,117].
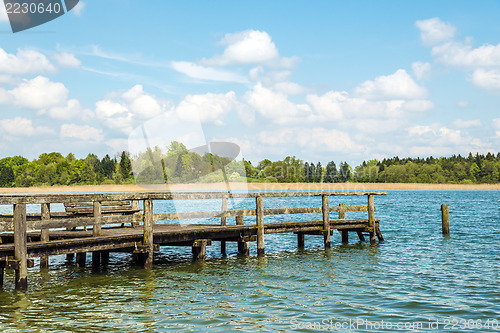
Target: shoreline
[254,187]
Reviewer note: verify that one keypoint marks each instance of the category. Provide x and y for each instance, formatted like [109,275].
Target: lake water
[415,281]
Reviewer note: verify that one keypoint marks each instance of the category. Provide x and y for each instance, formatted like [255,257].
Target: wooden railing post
[345,233]
[148,233]
[96,231]
[371,217]
[259,205]
[20,247]
[223,223]
[44,260]
[136,216]
[326,220]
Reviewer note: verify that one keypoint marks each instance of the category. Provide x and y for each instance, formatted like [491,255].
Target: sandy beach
[253,187]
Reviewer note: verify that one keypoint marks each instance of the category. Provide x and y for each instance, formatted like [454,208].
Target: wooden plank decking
[39,235]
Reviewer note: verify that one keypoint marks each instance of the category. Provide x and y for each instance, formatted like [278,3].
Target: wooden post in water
[223,223]
[2,270]
[243,247]
[300,240]
[96,231]
[20,247]
[326,220]
[345,233]
[81,258]
[445,217]
[44,260]
[148,233]
[199,249]
[259,205]
[371,217]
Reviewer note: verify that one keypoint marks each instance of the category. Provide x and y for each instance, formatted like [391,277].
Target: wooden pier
[101,223]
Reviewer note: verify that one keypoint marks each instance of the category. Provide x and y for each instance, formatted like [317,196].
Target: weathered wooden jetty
[101,223]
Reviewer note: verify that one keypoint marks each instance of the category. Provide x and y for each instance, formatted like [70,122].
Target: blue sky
[321,80]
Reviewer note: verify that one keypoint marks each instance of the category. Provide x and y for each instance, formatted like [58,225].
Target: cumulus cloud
[275,105]
[67,59]
[434,31]
[81,132]
[78,9]
[24,62]
[394,86]
[39,93]
[486,79]
[421,70]
[496,127]
[125,110]
[206,73]
[461,123]
[20,127]
[207,107]
[249,47]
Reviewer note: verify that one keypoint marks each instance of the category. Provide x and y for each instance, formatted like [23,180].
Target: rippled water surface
[413,279]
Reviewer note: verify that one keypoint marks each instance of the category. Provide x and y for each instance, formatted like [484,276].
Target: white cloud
[83,132]
[394,86]
[66,59]
[441,140]
[461,123]
[275,105]
[206,73]
[78,9]
[71,109]
[421,70]
[486,79]
[19,127]
[462,54]
[330,104]
[434,31]
[249,47]
[496,127]
[125,110]
[462,104]
[314,138]
[39,93]
[208,107]
[24,62]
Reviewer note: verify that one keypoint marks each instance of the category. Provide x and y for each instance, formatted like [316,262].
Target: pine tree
[306,172]
[312,173]
[319,173]
[331,173]
[125,165]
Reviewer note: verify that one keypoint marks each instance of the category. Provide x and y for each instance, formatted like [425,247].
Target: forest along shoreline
[242,186]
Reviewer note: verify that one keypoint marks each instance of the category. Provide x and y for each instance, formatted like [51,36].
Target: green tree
[125,165]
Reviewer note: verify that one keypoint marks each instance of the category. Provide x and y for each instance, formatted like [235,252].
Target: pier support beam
[148,233]
[81,257]
[20,247]
[243,246]
[326,220]
[44,260]
[300,240]
[259,205]
[345,236]
[445,219]
[223,223]
[199,249]
[2,270]
[360,235]
[371,218]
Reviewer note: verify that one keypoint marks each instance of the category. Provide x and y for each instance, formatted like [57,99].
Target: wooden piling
[371,217]
[300,240]
[136,216]
[2,270]
[259,205]
[20,247]
[445,219]
[345,233]
[81,258]
[223,223]
[360,235]
[199,249]
[44,237]
[326,220]
[243,246]
[148,233]
[96,231]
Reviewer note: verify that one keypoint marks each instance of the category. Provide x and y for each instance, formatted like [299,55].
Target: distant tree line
[179,165]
